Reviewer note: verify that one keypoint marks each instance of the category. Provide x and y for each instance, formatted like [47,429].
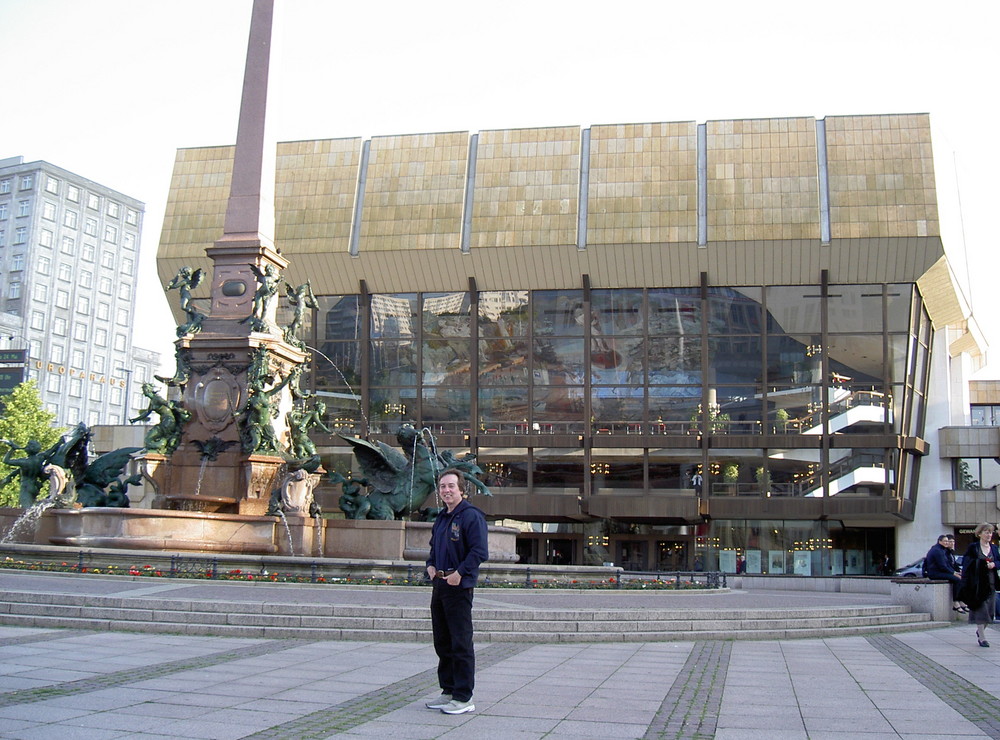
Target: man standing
[939,564]
[458,547]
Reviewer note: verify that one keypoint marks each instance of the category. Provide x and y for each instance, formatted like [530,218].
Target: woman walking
[980,581]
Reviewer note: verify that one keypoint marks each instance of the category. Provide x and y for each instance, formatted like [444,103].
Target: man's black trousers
[451,619]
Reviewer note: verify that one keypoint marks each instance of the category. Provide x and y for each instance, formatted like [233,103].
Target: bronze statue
[100,484]
[354,496]
[256,431]
[299,424]
[165,435]
[30,468]
[267,288]
[300,298]
[182,371]
[185,281]
[403,480]
[69,457]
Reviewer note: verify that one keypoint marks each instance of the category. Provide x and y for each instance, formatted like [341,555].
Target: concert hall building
[722,345]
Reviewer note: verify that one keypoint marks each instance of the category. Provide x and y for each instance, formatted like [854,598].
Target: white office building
[69,256]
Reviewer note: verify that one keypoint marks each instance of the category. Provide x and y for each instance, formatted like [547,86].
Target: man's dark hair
[945,537]
[452,471]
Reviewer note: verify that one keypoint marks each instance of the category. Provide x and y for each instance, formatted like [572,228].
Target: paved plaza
[74,683]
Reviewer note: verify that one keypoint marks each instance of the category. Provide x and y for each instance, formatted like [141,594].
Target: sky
[110,89]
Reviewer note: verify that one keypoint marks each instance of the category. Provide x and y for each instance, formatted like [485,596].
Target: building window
[59,326]
[125,291]
[83,304]
[3,238]
[73,193]
[131,217]
[128,241]
[78,358]
[122,317]
[68,245]
[113,209]
[88,251]
[62,299]
[57,353]
[5,186]
[976,473]
[120,342]
[17,263]
[111,233]
[127,265]
[80,331]
[45,238]
[20,234]
[96,392]
[101,337]
[98,366]
[985,415]
[90,226]
[108,258]
[52,185]
[3,211]
[14,290]
[24,208]
[103,311]
[65,271]
[93,201]
[41,292]
[49,211]
[70,219]
[54,383]
[37,320]
[76,388]
[104,285]
[93,418]
[44,265]
[116,395]
[27,182]
[86,278]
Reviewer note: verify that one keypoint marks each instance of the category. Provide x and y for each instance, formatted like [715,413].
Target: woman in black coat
[979,580]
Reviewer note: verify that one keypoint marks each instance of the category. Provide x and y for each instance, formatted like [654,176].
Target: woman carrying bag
[980,580]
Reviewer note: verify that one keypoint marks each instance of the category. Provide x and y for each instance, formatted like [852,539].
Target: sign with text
[13,356]
[10,378]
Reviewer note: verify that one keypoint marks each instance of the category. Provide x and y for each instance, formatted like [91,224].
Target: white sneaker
[440,703]
[458,707]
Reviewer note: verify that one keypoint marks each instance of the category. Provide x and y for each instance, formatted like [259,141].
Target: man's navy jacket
[459,542]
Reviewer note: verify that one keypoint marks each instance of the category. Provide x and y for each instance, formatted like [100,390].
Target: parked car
[916,569]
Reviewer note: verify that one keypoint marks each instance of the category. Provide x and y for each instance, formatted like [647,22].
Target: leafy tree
[23,418]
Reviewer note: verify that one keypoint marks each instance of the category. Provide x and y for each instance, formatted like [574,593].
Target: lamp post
[128,392]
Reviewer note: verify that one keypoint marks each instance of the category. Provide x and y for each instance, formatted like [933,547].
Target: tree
[22,419]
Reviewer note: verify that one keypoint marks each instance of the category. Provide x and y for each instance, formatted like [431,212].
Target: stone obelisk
[238,372]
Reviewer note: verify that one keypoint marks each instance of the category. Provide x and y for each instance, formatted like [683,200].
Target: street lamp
[128,392]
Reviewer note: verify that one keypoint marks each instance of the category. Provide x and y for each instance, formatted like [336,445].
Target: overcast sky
[109,89]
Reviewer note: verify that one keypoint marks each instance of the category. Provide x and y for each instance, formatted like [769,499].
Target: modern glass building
[726,345]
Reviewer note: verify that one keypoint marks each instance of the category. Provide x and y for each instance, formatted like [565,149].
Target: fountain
[229,457]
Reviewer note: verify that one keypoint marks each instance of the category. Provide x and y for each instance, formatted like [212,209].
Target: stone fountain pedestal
[174,531]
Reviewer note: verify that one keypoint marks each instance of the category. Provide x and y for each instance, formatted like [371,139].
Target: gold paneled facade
[762,180]
[527,187]
[881,177]
[643,183]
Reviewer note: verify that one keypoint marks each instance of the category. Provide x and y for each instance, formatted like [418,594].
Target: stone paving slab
[92,685]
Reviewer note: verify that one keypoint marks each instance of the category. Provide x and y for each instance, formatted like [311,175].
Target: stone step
[312,621]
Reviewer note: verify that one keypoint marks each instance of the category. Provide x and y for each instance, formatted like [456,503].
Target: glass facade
[742,397]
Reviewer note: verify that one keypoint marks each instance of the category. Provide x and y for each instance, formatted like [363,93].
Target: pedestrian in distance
[980,581]
[458,547]
[940,565]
